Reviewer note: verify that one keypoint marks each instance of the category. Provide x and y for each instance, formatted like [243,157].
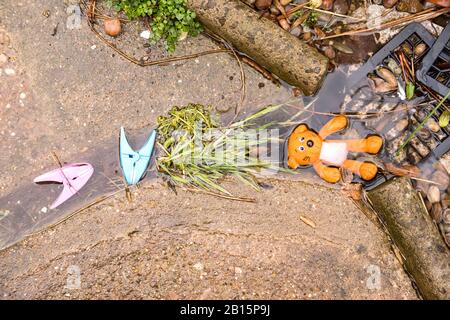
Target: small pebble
[263,4]
[112,27]
[307,36]
[296,92]
[419,49]
[284,24]
[441,178]
[145,34]
[329,52]
[340,6]
[93,47]
[433,194]
[23,95]
[10,72]
[296,31]
[198,266]
[327,5]
[389,3]
[44,210]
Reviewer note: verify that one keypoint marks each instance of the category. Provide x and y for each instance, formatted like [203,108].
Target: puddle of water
[25,211]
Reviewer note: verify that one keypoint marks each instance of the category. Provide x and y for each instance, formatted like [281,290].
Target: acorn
[112,27]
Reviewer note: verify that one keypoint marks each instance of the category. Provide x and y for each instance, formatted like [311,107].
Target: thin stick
[284,14]
[89,205]
[242,75]
[418,17]
[424,180]
[155,62]
[248,61]
[292,11]
[56,159]
[335,14]
[352,115]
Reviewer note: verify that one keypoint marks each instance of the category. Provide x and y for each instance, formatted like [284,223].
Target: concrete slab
[163,245]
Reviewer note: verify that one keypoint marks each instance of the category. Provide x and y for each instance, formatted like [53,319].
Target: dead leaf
[407,170]
[353,190]
[342,47]
[347,176]
[319,32]
[308,222]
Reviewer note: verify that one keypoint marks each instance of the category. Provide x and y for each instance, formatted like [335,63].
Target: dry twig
[418,17]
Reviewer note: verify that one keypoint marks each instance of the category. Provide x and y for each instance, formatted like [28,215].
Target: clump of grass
[199,152]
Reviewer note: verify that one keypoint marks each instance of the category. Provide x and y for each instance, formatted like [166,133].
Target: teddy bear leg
[371,144]
[365,170]
[329,174]
[334,125]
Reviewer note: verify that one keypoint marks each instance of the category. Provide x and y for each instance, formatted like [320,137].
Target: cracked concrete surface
[162,245]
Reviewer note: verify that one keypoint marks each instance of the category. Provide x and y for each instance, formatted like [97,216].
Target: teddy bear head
[304,146]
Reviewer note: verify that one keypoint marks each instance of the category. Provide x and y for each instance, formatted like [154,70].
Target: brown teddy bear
[306,147]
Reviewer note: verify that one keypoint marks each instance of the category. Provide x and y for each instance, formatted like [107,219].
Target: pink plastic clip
[73,176]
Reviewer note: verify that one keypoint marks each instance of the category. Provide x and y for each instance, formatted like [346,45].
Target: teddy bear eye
[301,148]
[301,139]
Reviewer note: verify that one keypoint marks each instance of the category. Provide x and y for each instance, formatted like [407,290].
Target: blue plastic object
[135,163]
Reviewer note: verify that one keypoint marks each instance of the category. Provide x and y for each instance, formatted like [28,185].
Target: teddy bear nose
[310,143]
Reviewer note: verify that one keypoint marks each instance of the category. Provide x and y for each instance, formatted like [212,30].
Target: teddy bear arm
[370,145]
[292,163]
[334,125]
[329,174]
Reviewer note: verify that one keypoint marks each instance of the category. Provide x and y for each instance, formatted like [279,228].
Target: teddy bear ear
[301,128]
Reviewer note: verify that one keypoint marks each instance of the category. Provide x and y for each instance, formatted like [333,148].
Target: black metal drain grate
[435,71]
